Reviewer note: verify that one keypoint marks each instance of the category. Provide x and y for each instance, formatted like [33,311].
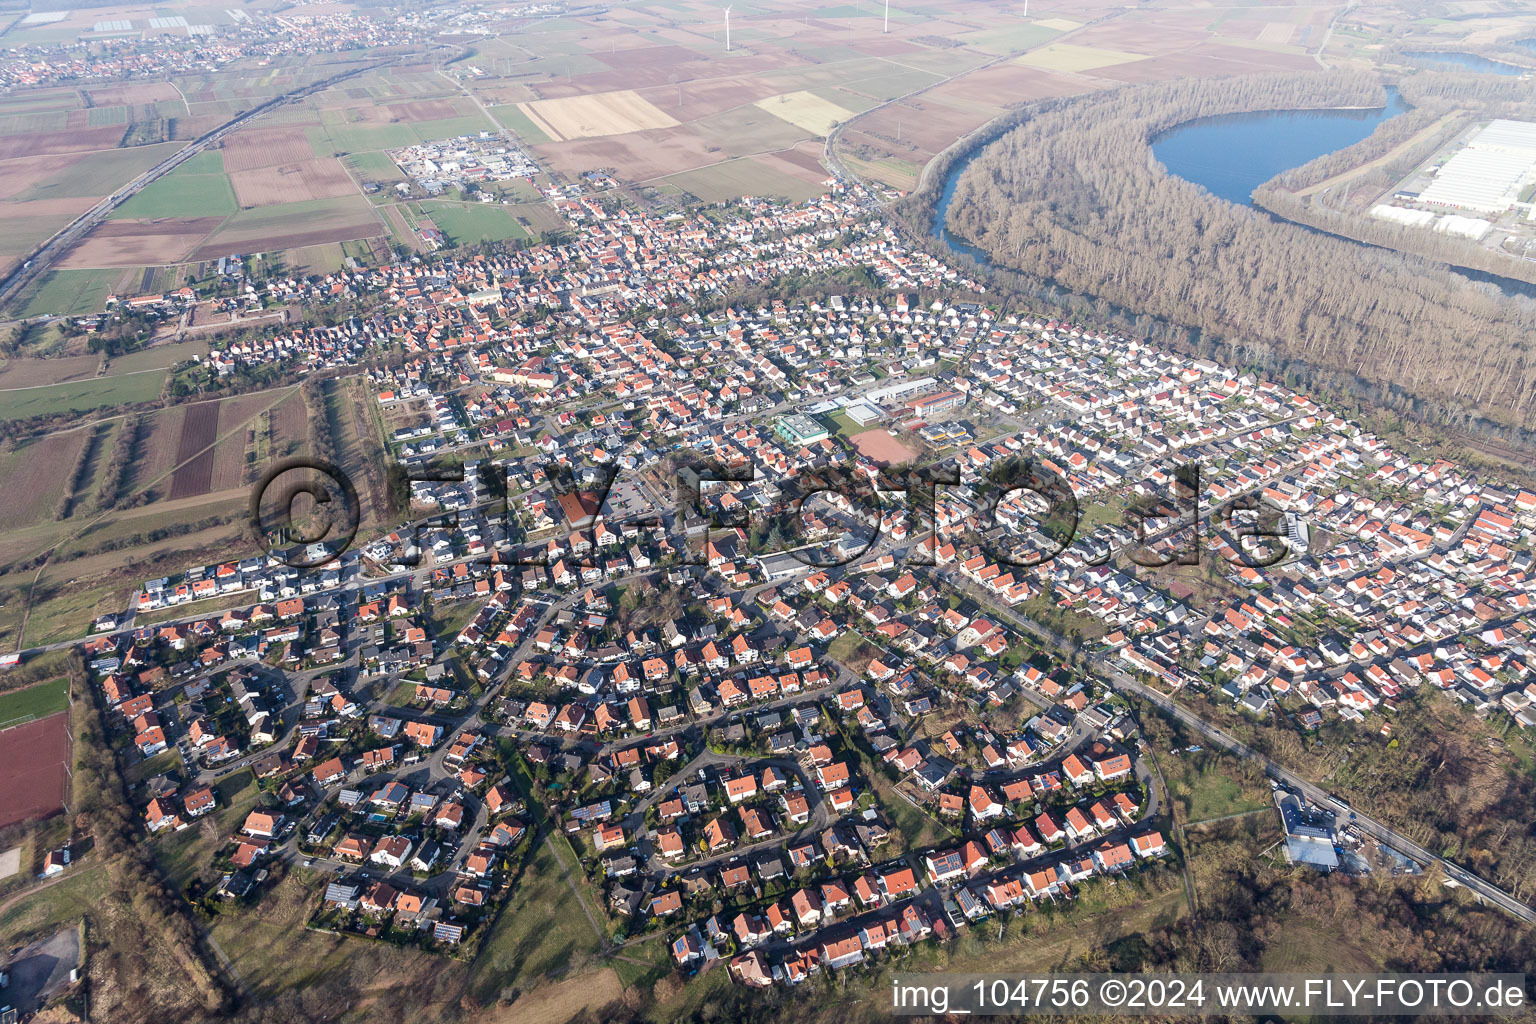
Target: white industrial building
[1489,173]
[1398,215]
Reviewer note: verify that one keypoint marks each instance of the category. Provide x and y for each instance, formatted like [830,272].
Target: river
[1232,154]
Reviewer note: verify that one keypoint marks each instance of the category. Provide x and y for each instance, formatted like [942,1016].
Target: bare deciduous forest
[1073,199]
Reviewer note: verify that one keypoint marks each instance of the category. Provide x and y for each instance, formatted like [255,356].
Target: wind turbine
[728,28]
[887,16]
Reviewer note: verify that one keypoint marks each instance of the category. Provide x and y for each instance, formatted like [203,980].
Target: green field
[736,178]
[37,701]
[98,174]
[1201,783]
[81,395]
[466,223]
[518,121]
[335,140]
[374,167]
[41,121]
[183,854]
[181,194]
[49,909]
[541,933]
[464,124]
[66,293]
[100,116]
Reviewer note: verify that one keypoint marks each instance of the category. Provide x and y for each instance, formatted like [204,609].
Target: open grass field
[374,167]
[806,110]
[97,174]
[585,994]
[341,140]
[1204,787]
[464,223]
[609,113]
[272,951]
[512,116]
[287,428]
[186,854]
[47,910]
[84,395]
[540,934]
[36,701]
[24,372]
[32,775]
[66,293]
[182,193]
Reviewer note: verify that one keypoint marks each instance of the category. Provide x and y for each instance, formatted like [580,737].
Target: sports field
[36,701]
[32,775]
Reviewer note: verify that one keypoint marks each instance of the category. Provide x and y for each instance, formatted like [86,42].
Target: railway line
[43,257]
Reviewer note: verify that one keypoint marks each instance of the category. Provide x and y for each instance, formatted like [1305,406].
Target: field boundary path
[42,258]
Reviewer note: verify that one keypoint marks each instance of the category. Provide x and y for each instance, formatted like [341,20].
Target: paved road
[1484,889]
[41,258]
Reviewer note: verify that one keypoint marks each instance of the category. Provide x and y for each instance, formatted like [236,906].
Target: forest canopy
[1073,198]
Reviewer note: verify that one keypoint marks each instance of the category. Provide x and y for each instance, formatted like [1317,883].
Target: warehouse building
[1488,175]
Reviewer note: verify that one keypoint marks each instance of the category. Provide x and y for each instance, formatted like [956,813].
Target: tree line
[106,808]
[1443,106]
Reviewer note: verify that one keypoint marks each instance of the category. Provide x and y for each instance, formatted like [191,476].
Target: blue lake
[1233,154]
[1468,62]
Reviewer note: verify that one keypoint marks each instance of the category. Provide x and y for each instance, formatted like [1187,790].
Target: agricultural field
[290,225]
[1067,57]
[194,450]
[24,372]
[806,110]
[465,223]
[81,396]
[201,445]
[746,176]
[67,293]
[291,183]
[151,243]
[198,188]
[581,117]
